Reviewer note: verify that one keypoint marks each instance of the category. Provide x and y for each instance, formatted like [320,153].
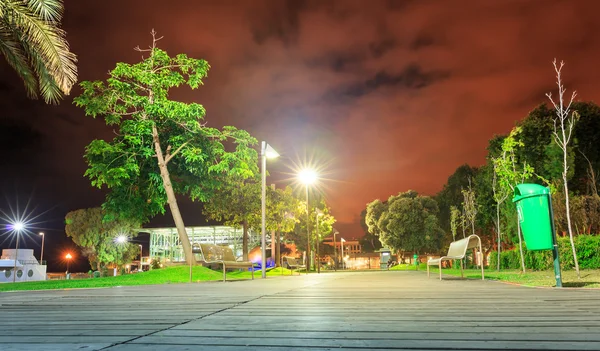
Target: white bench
[293,264]
[221,255]
[457,251]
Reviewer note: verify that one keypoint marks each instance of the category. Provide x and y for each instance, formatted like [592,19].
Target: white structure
[28,267]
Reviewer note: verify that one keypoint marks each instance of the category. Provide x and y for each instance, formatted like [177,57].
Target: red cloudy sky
[390,95]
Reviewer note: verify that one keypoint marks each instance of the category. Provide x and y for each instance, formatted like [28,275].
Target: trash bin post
[557,273]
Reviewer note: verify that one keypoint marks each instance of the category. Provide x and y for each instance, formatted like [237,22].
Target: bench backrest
[459,248]
[212,252]
[291,261]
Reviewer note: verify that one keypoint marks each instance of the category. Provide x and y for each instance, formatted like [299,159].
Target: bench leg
[252,270]
[440,267]
[427,269]
[224,273]
[461,269]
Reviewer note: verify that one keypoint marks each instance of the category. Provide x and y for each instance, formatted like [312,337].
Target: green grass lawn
[589,278]
[170,275]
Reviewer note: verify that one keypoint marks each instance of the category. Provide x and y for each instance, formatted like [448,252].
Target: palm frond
[48,41]
[48,10]
[14,54]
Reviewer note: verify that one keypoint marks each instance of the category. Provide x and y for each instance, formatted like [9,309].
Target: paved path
[341,311]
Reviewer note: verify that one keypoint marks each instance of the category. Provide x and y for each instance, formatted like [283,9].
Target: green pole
[557,273]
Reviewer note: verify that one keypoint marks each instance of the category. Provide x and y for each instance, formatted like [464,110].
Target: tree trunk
[569,220]
[172,200]
[520,246]
[499,235]
[245,240]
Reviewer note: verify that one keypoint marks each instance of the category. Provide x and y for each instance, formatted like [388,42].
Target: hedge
[588,255]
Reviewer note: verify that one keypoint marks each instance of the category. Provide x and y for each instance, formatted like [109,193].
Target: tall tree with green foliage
[236,204]
[563,130]
[510,173]
[34,45]
[162,147]
[95,235]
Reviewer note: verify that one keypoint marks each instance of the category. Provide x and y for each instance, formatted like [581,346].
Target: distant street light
[17,228]
[42,254]
[308,177]
[266,151]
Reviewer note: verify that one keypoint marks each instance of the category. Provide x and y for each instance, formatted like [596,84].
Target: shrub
[588,254]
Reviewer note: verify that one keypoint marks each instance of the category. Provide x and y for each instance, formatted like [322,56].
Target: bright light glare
[307,176]
[68,256]
[18,226]
[121,239]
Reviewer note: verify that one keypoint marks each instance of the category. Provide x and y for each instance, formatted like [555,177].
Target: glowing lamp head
[18,226]
[68,256]
[307,176]
[269,152]
[121,239]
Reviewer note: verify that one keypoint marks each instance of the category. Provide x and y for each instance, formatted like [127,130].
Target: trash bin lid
[523,191]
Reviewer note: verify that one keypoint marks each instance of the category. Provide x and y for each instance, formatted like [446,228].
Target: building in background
[28,268]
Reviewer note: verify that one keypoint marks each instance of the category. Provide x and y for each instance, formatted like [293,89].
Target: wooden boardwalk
[333,311]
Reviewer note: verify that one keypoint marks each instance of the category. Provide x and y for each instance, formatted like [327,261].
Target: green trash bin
[534,216]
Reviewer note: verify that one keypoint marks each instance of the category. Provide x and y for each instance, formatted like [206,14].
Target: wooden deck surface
[333,311]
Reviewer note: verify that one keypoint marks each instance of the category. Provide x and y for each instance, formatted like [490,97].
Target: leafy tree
[374,212]
[563,131]
[510,174]
[33,44]
[282,212]
[237,203]
[451,194]
[500,195]
[162,147]
[470,206]
[455,219]
[89,229]
[326,221]
[412,223]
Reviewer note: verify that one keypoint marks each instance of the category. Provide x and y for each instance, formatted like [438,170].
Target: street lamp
[140,267]
[121,239]
[307,176]
[342,241]
[68,257]
[266,151]
[17,227]
[335,260]
[319,213]
[42,255]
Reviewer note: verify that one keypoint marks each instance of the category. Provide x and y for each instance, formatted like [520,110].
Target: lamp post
[121,239]
[140,267]
[319,213]
[68,257]
[17,227]
[266,151]
[335,260]
[42,254]
[342,241]
[307,176]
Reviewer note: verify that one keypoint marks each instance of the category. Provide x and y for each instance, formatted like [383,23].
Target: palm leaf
[14,54]
[47,41]
[48,10]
